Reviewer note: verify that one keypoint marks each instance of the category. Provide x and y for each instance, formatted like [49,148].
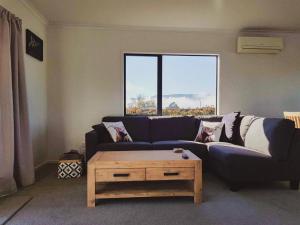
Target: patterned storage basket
[70,165]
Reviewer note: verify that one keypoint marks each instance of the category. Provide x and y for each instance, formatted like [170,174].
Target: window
[163,84]
[141,85]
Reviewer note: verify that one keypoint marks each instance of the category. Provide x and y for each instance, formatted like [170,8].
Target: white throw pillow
[209,131]
[245,125]
[117,131]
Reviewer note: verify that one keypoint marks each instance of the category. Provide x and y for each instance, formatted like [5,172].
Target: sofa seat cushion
[124,146]
[199,149]
[230,153]
[237,163]
[218,143]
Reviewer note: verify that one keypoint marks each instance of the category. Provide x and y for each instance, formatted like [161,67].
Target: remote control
[184,155]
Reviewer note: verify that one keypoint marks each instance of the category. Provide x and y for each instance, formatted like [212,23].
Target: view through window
[170,84]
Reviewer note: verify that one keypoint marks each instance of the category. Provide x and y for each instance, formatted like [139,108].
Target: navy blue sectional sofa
[269,151]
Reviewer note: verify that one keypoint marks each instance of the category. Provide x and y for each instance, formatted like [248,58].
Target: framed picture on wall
[34,45]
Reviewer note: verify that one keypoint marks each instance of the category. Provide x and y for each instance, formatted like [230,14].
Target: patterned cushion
[209,131]
[117,131]
[230,123]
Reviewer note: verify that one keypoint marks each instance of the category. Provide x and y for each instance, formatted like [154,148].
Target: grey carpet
[60,202]
[10,205]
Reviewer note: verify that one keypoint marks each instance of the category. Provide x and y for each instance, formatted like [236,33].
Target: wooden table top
[147,158]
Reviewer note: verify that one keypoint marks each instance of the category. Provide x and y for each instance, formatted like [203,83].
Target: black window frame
[160,82]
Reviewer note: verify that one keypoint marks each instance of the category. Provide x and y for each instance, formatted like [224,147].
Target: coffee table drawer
[170,173]
[112,175]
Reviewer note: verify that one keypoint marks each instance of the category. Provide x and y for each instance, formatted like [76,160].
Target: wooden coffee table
[131,174]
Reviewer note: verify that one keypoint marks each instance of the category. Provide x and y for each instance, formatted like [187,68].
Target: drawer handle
[171,174]
[121,174]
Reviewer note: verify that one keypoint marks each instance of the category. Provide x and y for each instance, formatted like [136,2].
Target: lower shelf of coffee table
[144,189]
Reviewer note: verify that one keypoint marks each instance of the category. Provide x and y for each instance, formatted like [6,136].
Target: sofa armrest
[294,155]
[91,142]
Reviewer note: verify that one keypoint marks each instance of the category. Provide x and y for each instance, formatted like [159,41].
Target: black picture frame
[34,46]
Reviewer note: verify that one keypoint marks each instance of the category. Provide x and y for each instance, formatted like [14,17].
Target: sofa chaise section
[268,154]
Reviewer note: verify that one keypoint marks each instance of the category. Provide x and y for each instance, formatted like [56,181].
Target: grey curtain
[16,157]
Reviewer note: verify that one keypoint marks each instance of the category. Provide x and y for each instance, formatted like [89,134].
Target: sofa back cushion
[103,134]
[172,128]
[244,125]
[138,127]
[270,136]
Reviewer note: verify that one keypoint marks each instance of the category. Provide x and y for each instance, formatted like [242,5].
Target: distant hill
[191,96]
[186,100]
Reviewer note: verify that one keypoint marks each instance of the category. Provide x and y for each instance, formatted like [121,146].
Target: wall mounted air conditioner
[260,45]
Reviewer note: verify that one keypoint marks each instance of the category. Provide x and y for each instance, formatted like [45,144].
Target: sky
[194,76]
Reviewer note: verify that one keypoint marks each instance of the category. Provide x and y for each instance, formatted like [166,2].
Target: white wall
[36,74]
[85,80]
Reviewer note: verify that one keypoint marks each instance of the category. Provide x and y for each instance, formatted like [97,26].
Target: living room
[115,61]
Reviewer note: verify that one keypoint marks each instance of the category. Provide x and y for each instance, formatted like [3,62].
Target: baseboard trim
[40,165]
[52,161]
[45,163]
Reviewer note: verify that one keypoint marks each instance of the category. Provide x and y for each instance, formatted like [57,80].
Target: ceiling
[177,14]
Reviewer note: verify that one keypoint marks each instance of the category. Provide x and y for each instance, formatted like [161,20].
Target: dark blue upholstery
[104,136]
[197,148]
[172,128]
[239,164]
[124,146]
[91,141]
[272,136]
[271,150]
[234,154]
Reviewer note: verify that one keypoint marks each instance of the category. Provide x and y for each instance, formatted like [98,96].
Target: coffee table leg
[91,186]
[198,183]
